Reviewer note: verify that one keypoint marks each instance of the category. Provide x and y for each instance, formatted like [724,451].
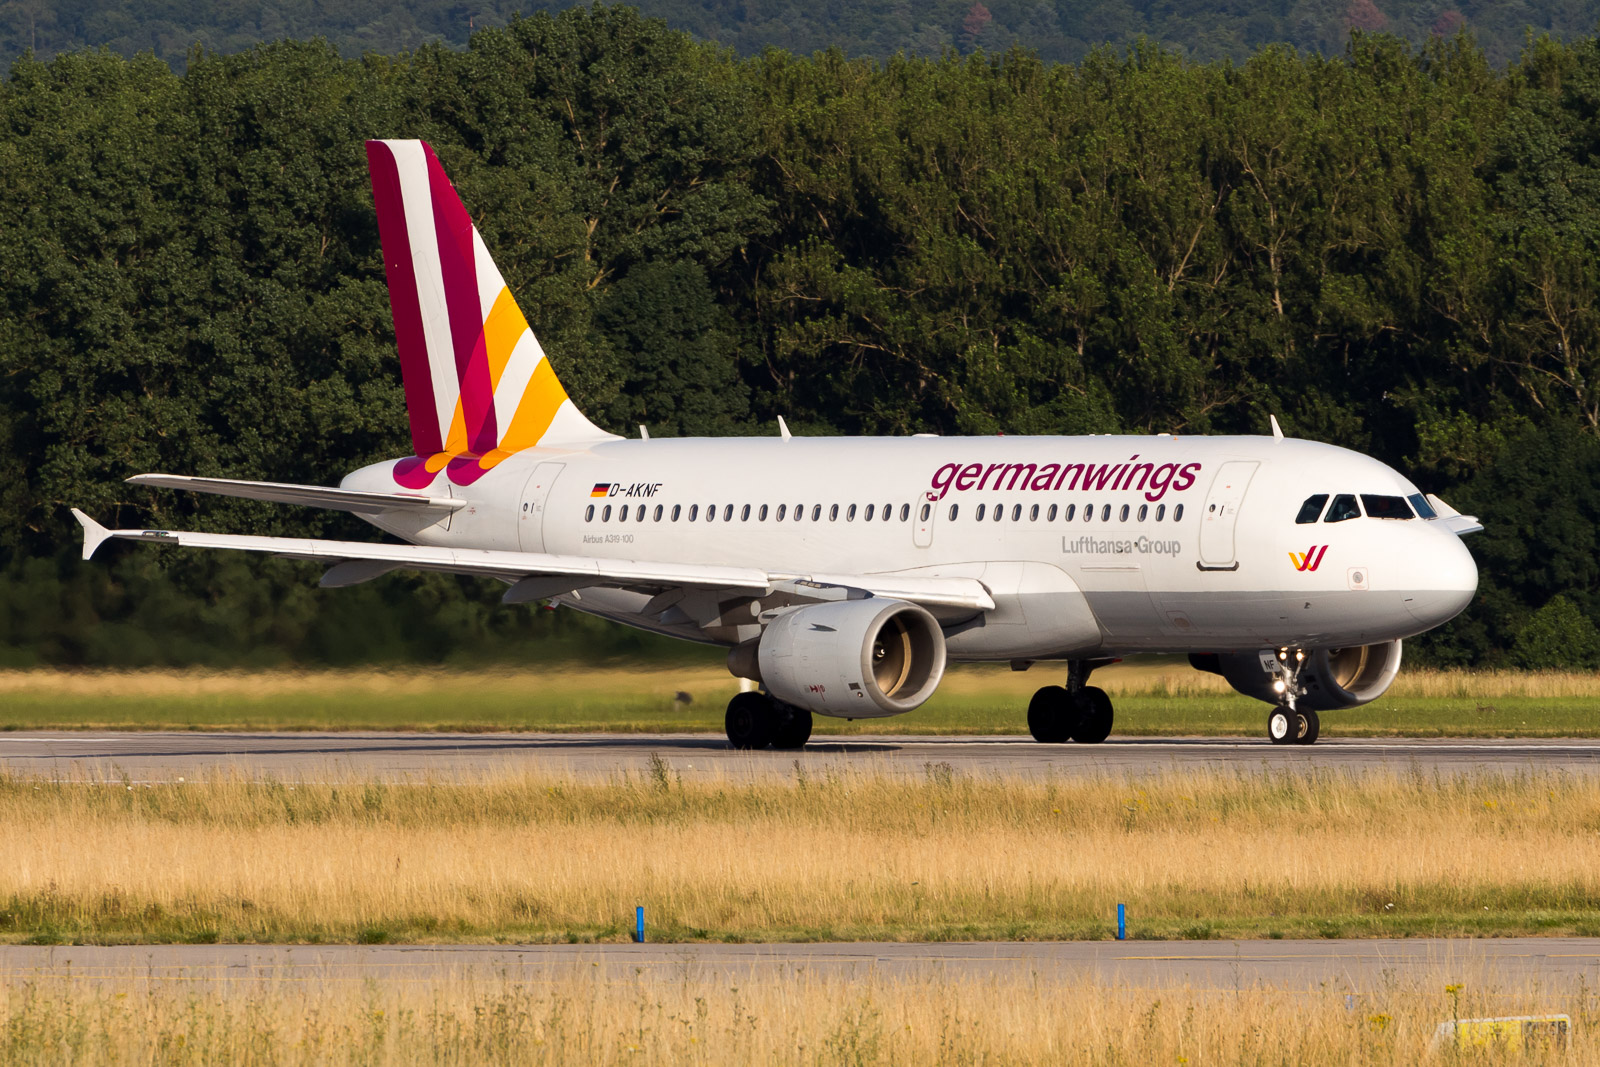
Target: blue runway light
[1122,923]
[638,925]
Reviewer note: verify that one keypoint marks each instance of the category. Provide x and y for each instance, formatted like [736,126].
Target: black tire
[791,726]
[1281,726]
[750,720]
[1094,718]
[1050,715]
[1307,727]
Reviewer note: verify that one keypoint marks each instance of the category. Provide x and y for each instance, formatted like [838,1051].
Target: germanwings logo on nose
[1310,559]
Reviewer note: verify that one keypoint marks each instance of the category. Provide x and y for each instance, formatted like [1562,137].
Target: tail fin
[478,386]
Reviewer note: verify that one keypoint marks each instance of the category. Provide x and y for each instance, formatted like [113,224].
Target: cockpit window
[1343,507]
[1311,510]
[1386,507]
[1424,509]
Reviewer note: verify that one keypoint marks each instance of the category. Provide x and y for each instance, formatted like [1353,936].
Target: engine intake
[857,659]
[1332,677]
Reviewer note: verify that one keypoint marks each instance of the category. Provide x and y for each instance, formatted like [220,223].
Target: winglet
[94,535]
[1277,431]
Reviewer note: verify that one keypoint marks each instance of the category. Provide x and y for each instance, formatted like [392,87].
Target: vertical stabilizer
[478,386]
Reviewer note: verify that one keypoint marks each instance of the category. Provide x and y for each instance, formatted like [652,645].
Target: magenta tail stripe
[454,227]
[403,302]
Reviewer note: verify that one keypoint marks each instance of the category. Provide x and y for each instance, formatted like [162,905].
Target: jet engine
[1331,677]
[856,659]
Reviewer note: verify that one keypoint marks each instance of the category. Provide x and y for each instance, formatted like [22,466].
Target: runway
[149,757]
[1510,965]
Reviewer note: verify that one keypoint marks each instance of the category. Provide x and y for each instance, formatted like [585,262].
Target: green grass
[1161,699]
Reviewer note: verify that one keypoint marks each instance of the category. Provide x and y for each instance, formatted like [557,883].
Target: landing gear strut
[756,720]
[1073,712]
[1288,725]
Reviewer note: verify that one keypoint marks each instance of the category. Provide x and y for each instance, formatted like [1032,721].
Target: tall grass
[786,1018]
[862,855]
[1152,698]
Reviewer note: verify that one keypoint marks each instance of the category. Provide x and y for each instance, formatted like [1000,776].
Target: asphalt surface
[1506,965]
[145,756]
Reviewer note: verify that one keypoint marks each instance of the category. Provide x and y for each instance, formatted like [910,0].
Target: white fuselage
[1157,544]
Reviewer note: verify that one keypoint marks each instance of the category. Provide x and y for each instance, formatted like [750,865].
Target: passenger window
[1088,513]
[867,515]
[1177,513]
[1144,509]
[605,513]
[763,514]
[639,512]
[1016,512]
[888,512]
[727,513]
[979,513]
[1161,512]
[659,510]
[850,514]
[1050,516]
[955,509]
[1311,510]
[744,514]
[1386,507]
[1072,510]
[622,513]
[1424,509]
[677,509]
[905,513]
[782,510]
[833,513]
[1122,516]
[588,515]
[694,512]
[816,512]
[1343,507]
[1105,513]
[999,512]
[711,513]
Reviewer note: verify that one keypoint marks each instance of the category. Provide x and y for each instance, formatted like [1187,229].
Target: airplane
[843,573]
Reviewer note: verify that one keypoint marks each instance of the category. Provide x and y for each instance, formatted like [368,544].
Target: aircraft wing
[316,496]
[541,574]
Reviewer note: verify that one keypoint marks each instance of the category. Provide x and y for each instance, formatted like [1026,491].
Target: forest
[1062,31]
[1395,249]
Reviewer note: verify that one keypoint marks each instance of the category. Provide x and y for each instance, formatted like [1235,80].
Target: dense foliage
[1395,249]
[1057,30]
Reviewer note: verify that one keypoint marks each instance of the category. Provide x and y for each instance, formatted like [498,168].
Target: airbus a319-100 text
[842,573]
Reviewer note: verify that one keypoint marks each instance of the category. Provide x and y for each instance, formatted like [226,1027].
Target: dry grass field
[864,856]
[1152,697]
[792,1019]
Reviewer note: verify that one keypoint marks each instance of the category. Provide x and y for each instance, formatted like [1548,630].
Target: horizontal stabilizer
[314,496]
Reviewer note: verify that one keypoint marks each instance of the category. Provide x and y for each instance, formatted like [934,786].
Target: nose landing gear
[1288,725]
[1074,712]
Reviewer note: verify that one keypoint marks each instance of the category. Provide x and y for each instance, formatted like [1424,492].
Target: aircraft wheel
[1050,715]
[750,720]
[791,726]
[1281,726]
[1095,716]
[1307,727]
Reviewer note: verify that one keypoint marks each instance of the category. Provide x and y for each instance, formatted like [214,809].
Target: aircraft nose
[1442,581]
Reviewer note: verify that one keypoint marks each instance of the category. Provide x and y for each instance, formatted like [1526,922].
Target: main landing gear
[756,720]
[1286,724]
[1073,712]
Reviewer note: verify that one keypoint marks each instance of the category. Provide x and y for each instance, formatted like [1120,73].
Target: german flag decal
[600,489]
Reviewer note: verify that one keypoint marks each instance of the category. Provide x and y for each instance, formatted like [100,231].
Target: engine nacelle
[1331,677]
[857,659]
